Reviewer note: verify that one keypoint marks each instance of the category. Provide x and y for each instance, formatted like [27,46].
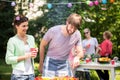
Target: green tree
[103,20]
[108,19]
[6,17]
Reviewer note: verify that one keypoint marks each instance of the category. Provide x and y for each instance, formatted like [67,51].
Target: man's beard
[68,31]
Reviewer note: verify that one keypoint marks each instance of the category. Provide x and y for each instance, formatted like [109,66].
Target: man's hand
[40,68]
[43,44]
[76,62]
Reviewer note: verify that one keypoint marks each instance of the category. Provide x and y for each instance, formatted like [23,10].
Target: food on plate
[104,59]
[56,78]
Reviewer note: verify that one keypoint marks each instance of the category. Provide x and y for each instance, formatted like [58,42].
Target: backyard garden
[97,15]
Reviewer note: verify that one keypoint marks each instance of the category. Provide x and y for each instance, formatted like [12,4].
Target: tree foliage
[6,18]
[108,19]
[103,20]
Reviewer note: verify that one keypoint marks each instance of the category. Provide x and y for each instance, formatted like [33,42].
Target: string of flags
[69,5]
[90,3]
[34,12]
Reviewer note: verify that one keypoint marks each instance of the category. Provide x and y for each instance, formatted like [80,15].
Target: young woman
[18,52]
[105,50]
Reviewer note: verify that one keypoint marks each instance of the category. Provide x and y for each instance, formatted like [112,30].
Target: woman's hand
[32,53]
[99,48]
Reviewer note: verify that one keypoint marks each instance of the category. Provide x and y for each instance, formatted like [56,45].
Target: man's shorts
[56,68]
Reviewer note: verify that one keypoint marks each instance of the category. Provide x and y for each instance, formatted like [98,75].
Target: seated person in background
[105,50]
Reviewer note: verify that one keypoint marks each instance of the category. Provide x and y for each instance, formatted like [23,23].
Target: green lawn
[5,72]
[118,73]
[95,77]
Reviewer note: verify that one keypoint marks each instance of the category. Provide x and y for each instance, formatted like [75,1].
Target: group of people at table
[60,39]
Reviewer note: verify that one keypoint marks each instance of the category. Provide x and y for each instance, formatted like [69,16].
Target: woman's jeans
[22,77]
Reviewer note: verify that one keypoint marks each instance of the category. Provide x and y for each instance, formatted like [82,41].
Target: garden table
[98,66]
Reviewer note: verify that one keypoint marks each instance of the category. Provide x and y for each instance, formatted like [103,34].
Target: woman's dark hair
[18,19]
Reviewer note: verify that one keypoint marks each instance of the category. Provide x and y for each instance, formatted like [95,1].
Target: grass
[118,73]
[5,72]
[94,76]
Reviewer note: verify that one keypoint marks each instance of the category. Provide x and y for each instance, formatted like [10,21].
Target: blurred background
[98,15]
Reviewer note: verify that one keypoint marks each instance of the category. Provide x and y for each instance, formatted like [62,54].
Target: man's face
[70,29]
